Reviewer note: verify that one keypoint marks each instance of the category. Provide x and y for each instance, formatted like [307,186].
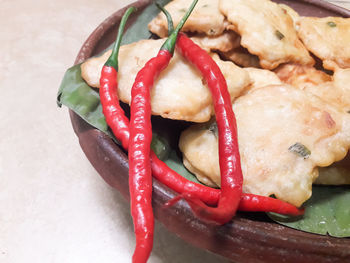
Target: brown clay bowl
[247,238]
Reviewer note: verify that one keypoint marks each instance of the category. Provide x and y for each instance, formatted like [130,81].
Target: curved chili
[229,158]
[111,109]
[140,174]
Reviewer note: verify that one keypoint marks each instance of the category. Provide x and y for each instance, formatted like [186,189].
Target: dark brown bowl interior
[242,240]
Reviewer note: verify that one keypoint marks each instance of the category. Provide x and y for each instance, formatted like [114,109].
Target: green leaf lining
[77,95]
[327,212]
[175,163]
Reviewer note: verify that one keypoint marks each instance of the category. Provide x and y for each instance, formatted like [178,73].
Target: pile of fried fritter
[293,118]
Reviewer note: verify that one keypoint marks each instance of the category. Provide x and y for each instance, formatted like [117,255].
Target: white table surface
[54,207]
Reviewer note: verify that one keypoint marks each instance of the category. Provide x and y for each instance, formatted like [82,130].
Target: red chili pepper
[140,174]
[112,111]
[217,85]
[229,158]
[119,124]
[257,203]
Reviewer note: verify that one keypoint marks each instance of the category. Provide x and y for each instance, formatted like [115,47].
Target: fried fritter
[333,175]
[179,92]
[336,174]
[241,57]
[261,78]
[225,42]
[91,69]
[301,76]
[332,89]
[200,144]
[328,38]
[284,134]
[267,31]
[205,18]
[336,92]
[292,13]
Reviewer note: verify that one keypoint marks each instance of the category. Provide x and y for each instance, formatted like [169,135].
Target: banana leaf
[327,212]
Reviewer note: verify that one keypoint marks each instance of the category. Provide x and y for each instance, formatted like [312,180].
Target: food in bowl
[296,148]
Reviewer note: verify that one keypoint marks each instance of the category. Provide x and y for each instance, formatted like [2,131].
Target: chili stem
[169,44]
[168,18]
[113,59]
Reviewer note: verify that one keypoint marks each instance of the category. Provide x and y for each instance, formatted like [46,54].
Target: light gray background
[54,207]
